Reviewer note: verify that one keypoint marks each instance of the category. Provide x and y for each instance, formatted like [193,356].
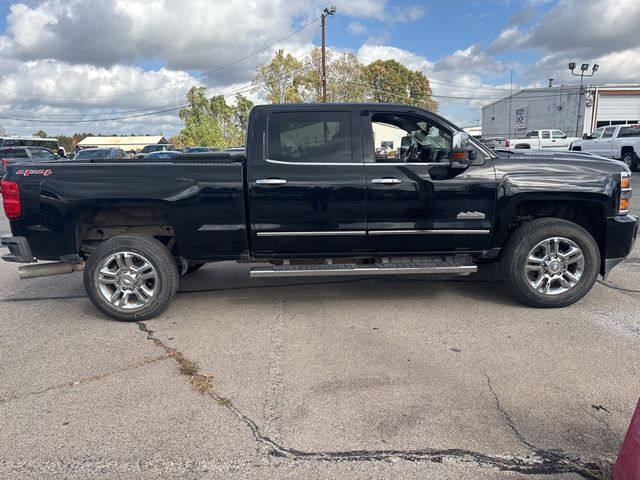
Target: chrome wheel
[554,266]
[127,280]
[628,160]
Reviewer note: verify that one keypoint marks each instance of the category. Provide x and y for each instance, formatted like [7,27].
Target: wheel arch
[589,213]
[96,225]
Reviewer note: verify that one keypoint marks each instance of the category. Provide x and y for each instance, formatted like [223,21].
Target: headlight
[625,193]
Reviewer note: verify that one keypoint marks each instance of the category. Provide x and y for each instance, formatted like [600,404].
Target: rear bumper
[19,250]
[621,238]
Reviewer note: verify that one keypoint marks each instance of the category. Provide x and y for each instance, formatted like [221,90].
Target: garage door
[619,107]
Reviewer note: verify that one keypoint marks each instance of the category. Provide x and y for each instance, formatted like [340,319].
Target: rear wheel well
[589,215]
[628,149]
[98,225]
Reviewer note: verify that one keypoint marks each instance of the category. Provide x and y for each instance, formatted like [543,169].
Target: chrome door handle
[386,181]
[271,181]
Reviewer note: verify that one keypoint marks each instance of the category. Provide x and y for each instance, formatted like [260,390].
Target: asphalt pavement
[389,377]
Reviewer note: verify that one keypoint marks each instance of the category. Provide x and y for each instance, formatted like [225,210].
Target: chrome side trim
[457,269]
[333,164]
[271,181]
[429,232]
[311,234]
[401,164]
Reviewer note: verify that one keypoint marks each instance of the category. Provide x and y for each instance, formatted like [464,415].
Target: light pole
[583,68]
[327,11]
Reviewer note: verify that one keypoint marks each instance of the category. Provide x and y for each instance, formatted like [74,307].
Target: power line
[203,74]
[150,113]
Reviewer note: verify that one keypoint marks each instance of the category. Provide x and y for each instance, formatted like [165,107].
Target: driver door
[417,205]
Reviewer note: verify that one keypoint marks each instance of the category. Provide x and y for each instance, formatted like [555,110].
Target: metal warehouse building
[561,107]
[125,142]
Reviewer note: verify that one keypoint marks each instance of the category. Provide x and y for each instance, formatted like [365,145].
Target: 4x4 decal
[26,172]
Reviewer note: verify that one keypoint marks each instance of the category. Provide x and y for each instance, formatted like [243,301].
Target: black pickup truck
[311,197]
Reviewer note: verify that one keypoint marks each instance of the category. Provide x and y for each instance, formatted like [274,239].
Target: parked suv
[24,154]
[100,153]
[159,147]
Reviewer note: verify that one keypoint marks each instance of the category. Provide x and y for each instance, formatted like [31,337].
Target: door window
[558,134]
[546,135]
[608,132]
[420,140]
[42,154]
[597,133]
[309,137]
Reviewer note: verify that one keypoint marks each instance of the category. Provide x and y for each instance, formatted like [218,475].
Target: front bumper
[19,250]
[621,238]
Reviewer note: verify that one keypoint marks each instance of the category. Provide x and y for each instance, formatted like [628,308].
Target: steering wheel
[411,151]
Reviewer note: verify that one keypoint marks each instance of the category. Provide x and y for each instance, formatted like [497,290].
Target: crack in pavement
[91,378]
[510,421]
[538,462]
[275,384]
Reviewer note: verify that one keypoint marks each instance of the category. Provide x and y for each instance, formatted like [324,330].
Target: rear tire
[131,277]
[550,263]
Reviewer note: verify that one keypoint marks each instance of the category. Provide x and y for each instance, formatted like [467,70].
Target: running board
[364,269]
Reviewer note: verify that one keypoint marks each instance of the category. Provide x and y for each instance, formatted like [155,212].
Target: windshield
[86,154]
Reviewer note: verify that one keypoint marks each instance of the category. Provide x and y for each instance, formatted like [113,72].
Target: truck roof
[361,106]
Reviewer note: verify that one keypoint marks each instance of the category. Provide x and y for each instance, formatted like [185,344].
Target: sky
[124,66]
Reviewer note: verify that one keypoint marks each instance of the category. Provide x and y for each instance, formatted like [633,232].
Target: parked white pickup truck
[621,142]
[537,139]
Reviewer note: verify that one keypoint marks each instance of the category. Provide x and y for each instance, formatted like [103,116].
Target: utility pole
[583,68]
[327,11]
[510,95]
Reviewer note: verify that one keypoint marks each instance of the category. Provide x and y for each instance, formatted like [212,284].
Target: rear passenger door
[545,139]
[306,182]
[605,147]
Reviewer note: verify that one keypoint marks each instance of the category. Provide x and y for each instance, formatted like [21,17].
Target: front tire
[630,160]
[550,263]
[131,277]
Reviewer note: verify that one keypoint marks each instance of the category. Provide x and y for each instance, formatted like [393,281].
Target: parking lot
[396,377]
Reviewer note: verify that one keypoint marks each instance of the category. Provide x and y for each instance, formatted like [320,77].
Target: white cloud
[356,28]
[369,53]
[409,13]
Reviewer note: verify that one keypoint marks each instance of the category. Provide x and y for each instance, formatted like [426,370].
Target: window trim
[265,137]
[485,153]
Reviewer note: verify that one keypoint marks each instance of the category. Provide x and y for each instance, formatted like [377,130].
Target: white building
[564,108]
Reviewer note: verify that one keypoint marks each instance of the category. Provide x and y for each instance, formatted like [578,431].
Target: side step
[381,268]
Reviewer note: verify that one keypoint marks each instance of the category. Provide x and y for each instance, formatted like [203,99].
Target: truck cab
[621,142]
[538,139]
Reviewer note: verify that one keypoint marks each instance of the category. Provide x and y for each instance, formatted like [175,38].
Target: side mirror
[461,158]
[586,136]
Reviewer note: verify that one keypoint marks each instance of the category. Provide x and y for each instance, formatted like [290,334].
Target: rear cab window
[13,153]
[631,131]
[309,137]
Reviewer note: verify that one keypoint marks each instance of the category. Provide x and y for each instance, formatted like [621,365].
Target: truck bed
[202,196]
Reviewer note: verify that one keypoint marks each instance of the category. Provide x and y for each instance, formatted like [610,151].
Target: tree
[211,121]
[40,134]
[3,131]
[390,81]
[279,81]
[345,77]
